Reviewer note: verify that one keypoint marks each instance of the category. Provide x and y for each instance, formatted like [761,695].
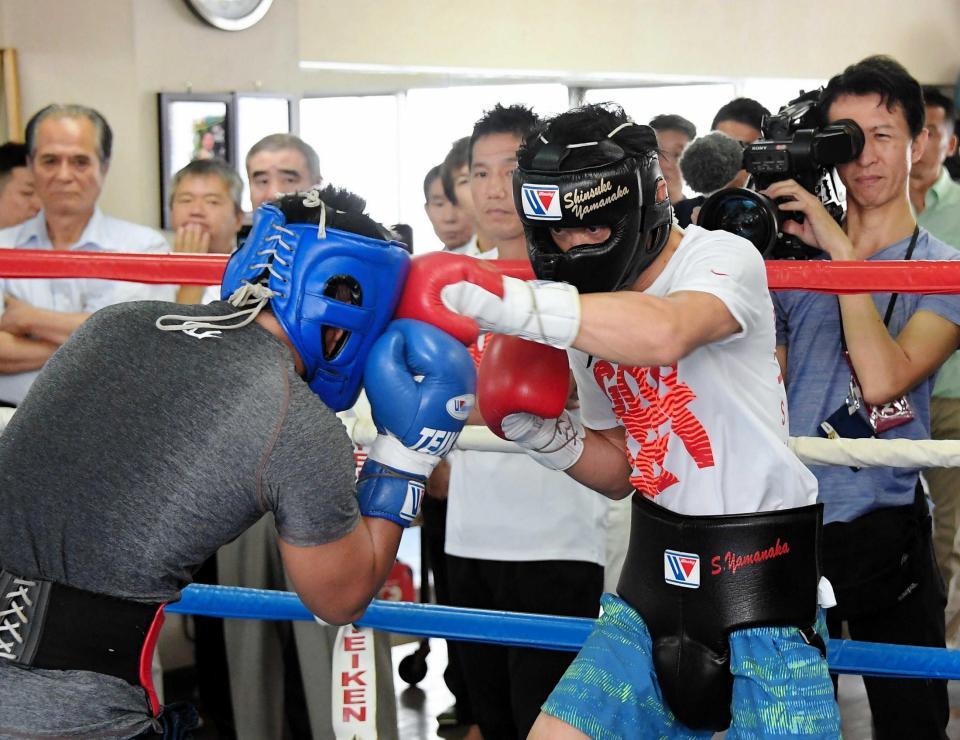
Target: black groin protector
[696,579]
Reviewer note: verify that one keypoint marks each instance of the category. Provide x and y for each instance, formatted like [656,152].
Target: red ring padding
[182,269]
[918,276]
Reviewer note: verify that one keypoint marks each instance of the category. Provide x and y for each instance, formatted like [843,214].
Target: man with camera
[864,366]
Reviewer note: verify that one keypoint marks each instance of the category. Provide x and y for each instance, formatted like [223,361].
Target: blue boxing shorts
[781,685]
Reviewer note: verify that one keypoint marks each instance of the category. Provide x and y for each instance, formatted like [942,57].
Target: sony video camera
[795,146]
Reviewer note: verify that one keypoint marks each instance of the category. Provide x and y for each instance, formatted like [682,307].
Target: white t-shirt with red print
[708,435]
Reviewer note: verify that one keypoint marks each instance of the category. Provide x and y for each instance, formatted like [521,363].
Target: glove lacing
[251,297]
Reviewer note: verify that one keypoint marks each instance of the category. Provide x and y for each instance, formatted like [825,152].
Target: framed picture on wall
[193,126]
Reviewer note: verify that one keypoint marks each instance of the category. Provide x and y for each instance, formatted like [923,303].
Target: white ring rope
[878,453]
[863,453]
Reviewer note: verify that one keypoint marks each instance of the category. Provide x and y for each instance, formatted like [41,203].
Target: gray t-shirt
[135,456]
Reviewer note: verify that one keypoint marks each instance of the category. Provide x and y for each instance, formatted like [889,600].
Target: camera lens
[742,212]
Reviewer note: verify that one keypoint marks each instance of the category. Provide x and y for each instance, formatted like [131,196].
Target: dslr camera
[793,146]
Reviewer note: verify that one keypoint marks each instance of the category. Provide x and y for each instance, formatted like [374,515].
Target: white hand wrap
[541,311]
[554,443]
[389,450]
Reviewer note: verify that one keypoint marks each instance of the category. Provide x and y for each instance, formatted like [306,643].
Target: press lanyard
[893,298]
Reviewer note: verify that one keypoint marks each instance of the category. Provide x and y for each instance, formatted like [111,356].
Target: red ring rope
[183,269]
[917,276]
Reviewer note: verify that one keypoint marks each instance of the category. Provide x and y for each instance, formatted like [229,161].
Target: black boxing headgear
[619,189]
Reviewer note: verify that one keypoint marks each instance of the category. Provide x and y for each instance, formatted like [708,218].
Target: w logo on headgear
[681,568]
[541,202]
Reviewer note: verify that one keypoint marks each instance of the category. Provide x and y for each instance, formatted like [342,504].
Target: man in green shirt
[936,200]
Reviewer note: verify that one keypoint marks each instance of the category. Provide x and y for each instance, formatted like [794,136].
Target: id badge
[885,417]
[848,421]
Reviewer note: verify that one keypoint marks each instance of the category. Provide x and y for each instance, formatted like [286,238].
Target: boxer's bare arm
[338,580]
[628,326]
[643,330]
[603,465]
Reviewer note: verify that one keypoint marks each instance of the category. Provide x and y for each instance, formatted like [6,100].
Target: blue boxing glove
[420,382]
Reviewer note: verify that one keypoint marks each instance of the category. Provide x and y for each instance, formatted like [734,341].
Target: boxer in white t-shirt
[671,339]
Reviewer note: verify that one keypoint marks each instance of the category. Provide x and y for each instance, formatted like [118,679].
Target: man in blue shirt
[877,548]
[68,149]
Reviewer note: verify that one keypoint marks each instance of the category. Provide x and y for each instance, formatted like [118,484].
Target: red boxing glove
[517,375]
[429,273]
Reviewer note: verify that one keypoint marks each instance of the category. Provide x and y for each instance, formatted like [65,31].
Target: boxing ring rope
[915,276]
[540,631]
[864,453]
[533,630]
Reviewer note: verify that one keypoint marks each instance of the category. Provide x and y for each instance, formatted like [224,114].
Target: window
[357,141]
[774,93]
[259,116]
[381,146]
[697,103]
[434,118]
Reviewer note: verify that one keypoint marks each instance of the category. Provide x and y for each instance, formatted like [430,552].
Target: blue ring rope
[533,630]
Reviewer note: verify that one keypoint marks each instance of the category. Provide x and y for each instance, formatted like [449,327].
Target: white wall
[772,38]
[117,54]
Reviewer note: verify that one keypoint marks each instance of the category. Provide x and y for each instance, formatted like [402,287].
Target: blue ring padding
[533,630]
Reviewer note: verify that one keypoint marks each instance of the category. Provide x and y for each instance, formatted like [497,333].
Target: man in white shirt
[69,148]
[18,196]
[206,213]
[281,163]
[452,223]
[519,537]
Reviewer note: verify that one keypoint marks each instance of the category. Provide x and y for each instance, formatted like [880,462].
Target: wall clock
[230,15]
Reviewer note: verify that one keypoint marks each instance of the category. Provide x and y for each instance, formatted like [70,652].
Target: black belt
[696,579]
[52,626]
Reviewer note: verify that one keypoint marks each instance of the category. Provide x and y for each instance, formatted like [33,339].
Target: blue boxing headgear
[315,276]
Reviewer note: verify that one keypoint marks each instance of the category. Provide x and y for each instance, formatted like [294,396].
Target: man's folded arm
[21,354]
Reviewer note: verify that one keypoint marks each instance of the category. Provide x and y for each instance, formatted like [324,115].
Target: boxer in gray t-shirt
[225,432]
[139,452]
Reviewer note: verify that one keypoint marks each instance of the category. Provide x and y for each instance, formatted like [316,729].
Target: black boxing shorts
[51,626]
[696,579]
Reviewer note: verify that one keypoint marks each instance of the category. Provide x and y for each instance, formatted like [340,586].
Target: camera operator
[740,119]
[709,164]
[877,546]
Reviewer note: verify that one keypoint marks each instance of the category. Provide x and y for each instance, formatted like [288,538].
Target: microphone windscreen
[710,162]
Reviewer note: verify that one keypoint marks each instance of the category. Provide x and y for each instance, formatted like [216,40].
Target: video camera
[793,145]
